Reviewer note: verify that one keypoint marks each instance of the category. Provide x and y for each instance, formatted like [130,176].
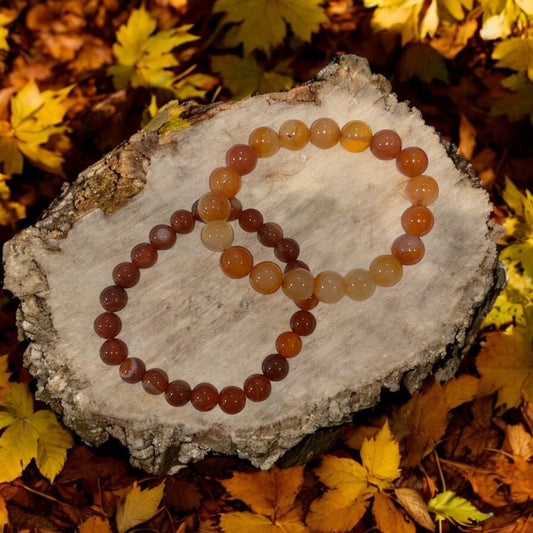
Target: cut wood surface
[187,318]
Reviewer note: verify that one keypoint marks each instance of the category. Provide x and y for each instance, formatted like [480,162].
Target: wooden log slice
[186,317]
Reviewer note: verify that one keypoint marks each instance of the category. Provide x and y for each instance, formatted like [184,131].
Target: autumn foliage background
[79,77]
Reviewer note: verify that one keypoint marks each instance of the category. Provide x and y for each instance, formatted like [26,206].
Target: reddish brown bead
[241,158]
[204,397]
[194,211]
[162,237]
[250,220]
[287,250]
[113,351]
[288,344]
[126,275]
[132,370]
[412,161]
[303,323]
[232,400]
[182,221]
[386,144]
[417,220]
[408,249]
[113,298]
[107,325]
[257,387]
[178,393]
[275,367]
[308,303]
[291,265]
[144,255]
[155,381]
[270,234]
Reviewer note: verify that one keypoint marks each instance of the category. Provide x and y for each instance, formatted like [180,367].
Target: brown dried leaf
[415,506]
[520,440]
[389,518]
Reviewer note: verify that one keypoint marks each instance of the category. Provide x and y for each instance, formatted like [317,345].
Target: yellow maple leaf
[501,17]
[144,57]
[344,474]
[516,53]
[95,524]
[5,18]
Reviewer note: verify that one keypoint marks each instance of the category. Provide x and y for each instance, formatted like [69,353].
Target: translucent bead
[107,325]
[275,367]
[417,220]
[225,181]
[236,262]
[266,277]
[264,141]
[178,393]
[126,275]
[213,206]
[293,135]
[355,136]
[298,284]
[132,370]
[257,387]
[386,270]
[295,264]
[422,190]
[324,133]
[231,400]
[359,284]
[308,303]
[241,158]
[113,351]
[270,234]
[288,344]
[236,209]
[182,221]
[408,249]
[329,287]
[217,235]
[204,397]
[162,237]
[386,144]
[155,381]
[250,220]
[194,211]
[303,323]
[144,255]
[113,298]
[412,161]
[287,250]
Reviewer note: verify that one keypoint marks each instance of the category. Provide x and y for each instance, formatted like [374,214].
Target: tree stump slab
[186,317]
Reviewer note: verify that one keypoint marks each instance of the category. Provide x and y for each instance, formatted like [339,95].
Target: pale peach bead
[213,206]
[217,235]
[329,287]
[386,270]
[264,141]
[324,133]
[355,136]
[359,284]
[298,284]
[225,181]
[293,134]
[266,277]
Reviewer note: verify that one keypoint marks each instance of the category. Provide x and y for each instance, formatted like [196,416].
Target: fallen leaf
[516,53]
[415,506]
[344,474]
[389,519]
[520,440]
[448,506]
[4,517]
[95,524]
[419,60]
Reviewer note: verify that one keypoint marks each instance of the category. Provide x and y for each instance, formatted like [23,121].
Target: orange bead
[241,158]
[288,344]
[422,190]
[329,287]
[293,135]
[359,284]
[213,206]
[225,181]
[417,220]
[355,136]
[386,270]
[298,284]
[412,161]
[236,262]
[324,133]
[408,249]
[264,141]
[266,277]
[386,144]
[217,235]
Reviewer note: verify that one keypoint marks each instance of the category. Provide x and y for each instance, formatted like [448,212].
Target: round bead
[236,262]
[264,141]
[213,206]
[355,136]
[194,211]
[266,277]
[225,181]
[288,344]
[113,298]
[275,367]
[270,234]
[241,158]
[236,209]
[298,284]
[162,237]
[324,133]
[358,284]
[126,275]
[113,351]
[417,220]
[303,323]
[217,235]
[155,381]
[408,249]
[182,221]
[132,370]
[144,255]
[412,161]
[250,220]
[287,250]
[308,303]
[386,144]
[107,325]
[204,397]
[178,393]
[231,400]
[295,264]
[329,287]
[293,134]
[422,190]
[386,270]
[257,387]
